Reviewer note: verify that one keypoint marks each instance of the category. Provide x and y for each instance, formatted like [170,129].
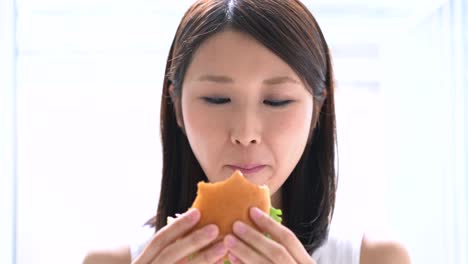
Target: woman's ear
[177,106]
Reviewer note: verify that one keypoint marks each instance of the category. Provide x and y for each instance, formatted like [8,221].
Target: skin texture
[244,129]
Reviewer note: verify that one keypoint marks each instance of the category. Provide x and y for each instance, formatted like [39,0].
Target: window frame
[8,131]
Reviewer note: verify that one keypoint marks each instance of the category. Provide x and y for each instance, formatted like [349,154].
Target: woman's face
[244,108]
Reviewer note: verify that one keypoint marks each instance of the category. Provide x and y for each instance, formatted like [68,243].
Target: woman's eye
[277,103]
[216,100]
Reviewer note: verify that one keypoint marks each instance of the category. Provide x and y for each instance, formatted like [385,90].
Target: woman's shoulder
[375,250]
[124,254]
[359,248]
[120,255]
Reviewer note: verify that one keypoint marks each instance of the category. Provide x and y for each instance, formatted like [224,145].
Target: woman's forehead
[230,56]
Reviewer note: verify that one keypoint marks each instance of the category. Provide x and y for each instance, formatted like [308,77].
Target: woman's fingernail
[230,241]
[256,213]
[193,215]
[210,231]
[239,227]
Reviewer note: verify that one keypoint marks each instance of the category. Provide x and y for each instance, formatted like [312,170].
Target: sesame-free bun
[222,203]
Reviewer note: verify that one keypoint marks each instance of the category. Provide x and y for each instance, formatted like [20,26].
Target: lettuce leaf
[276,214]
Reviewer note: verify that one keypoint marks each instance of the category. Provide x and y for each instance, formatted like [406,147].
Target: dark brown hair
[288,29]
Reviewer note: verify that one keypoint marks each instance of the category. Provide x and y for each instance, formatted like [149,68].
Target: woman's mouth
[247,169]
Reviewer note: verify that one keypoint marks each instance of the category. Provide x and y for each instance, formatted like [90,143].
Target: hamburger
[223,203]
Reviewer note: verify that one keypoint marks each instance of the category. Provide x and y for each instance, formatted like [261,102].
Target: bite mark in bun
[223,203]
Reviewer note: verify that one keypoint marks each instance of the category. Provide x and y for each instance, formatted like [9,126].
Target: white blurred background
[80,85]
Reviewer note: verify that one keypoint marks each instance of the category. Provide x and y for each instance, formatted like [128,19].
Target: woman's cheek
[288,132]
[289,122]
[203,129]
[203,122]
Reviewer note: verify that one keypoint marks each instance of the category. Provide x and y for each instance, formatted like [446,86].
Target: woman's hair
[289,30]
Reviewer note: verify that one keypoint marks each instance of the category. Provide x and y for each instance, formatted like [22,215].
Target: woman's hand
[172,244]
[250,246]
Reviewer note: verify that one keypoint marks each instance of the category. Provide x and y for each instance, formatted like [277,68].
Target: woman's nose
[244,141]
[245,129]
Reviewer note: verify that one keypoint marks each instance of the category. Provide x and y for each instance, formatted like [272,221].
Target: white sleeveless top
[336,250]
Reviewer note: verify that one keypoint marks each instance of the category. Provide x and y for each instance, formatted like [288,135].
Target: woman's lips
[249,169]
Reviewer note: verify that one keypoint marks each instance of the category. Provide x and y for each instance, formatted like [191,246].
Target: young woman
[249,86]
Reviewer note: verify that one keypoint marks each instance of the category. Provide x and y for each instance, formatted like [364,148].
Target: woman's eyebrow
[280,80]
[226,79]
[215,78]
